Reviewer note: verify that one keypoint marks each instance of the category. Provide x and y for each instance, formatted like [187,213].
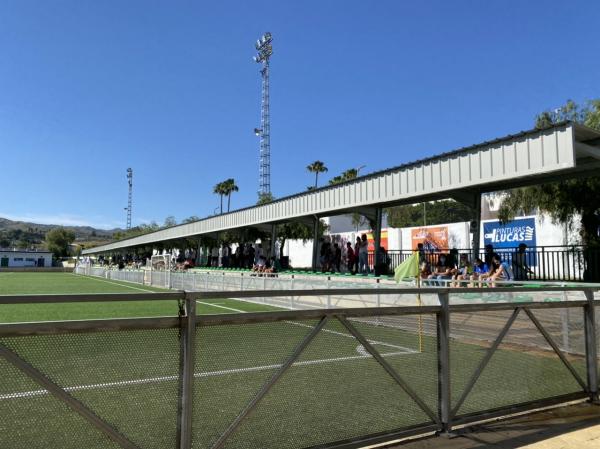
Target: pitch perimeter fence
[328,378]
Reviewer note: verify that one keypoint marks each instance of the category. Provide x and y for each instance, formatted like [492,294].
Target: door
[4,262]
[40,262]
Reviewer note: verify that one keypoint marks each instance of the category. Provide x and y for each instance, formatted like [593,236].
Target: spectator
[443,270]
[337,258]
[356,252]
[323,255]
[350,258]
[488,255]
[480,270]
[424,271]
[225,252]
[520,267]
[363,255]
[500,271]
[463,271]
[382,262]
[422,253]
[251,256]
[215,257]
[237,256]
[259,252]
[260,265]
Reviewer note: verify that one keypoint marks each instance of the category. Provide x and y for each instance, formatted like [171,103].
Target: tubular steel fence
[548,263]
[342,378]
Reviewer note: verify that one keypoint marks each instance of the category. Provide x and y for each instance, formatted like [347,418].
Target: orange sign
[432,237]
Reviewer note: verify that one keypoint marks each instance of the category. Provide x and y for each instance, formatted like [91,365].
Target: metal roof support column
[315,248]
[377,240]
[476,227]
[198,260]
[273,240]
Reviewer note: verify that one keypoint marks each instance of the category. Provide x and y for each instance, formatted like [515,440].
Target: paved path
[573,427]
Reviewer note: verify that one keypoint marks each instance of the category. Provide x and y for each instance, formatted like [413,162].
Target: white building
[11,258]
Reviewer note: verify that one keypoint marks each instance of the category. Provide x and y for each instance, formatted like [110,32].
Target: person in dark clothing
[350,258]
[337,257]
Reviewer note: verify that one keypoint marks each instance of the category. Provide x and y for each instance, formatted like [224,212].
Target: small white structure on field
[13,258]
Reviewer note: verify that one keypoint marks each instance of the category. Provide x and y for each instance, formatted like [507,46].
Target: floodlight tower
[265,50]
[129,198]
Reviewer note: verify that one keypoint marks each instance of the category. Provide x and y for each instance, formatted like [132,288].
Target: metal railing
[548,263]
[262,379]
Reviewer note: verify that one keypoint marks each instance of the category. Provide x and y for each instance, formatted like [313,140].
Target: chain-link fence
[293,379]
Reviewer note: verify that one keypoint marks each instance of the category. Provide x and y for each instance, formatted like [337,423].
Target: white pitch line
[125,383]
[115,283]
[221,307]
[329,331]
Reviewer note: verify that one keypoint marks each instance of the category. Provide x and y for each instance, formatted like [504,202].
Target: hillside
[21,234]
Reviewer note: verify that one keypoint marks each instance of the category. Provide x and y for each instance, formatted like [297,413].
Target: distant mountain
[21,234]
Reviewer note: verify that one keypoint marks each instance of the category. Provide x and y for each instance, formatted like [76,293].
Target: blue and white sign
[509,235]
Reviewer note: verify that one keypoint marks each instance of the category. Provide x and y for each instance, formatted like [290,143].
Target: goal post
[160,270]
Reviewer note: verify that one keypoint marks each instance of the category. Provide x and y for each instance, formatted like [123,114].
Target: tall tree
[219,189]
[565,201]
[229,187]
[264,198]
[170,221]
[317,167]
[58,241]
[438,212]
[347,175]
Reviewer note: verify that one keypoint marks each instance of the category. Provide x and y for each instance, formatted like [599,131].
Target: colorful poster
[384,239]
[433,238]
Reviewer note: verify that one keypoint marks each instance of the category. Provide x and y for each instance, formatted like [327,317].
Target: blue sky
[89,88]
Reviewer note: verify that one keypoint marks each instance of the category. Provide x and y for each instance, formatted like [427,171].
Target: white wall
[300,253]
[23,256]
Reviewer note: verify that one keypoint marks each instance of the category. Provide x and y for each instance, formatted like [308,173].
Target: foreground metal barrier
[292,379]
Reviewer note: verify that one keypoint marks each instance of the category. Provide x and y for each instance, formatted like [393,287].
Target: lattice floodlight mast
[129,198]
[265,50]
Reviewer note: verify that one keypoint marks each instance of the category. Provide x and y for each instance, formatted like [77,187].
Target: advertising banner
[433,238]
[509,235]
[506,237]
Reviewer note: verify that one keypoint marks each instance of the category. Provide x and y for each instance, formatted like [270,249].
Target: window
[29,259]
[18,259]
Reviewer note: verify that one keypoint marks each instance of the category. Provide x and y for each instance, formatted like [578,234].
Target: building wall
[25,258]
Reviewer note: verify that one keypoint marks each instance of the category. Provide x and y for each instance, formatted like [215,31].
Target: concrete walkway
[571,427]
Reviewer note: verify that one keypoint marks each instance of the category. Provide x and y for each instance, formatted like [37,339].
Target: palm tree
[228,188]
[219,189]
[317,167]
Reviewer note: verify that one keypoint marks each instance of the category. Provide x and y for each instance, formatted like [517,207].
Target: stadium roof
[565,150]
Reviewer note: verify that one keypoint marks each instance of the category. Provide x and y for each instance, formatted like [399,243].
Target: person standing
[337,257]
[520,267]
[363,255]
[350,258]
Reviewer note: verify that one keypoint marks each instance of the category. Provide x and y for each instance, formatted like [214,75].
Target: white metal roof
[566,149]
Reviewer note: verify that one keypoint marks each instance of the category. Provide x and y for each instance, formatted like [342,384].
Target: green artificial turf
[335,391]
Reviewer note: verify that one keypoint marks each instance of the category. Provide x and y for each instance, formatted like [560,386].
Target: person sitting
[500,271]
[442,272]
[424,271]
[260,265]
[480,270]
[462,272]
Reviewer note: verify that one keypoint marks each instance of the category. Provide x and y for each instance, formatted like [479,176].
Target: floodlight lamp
[257,131]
